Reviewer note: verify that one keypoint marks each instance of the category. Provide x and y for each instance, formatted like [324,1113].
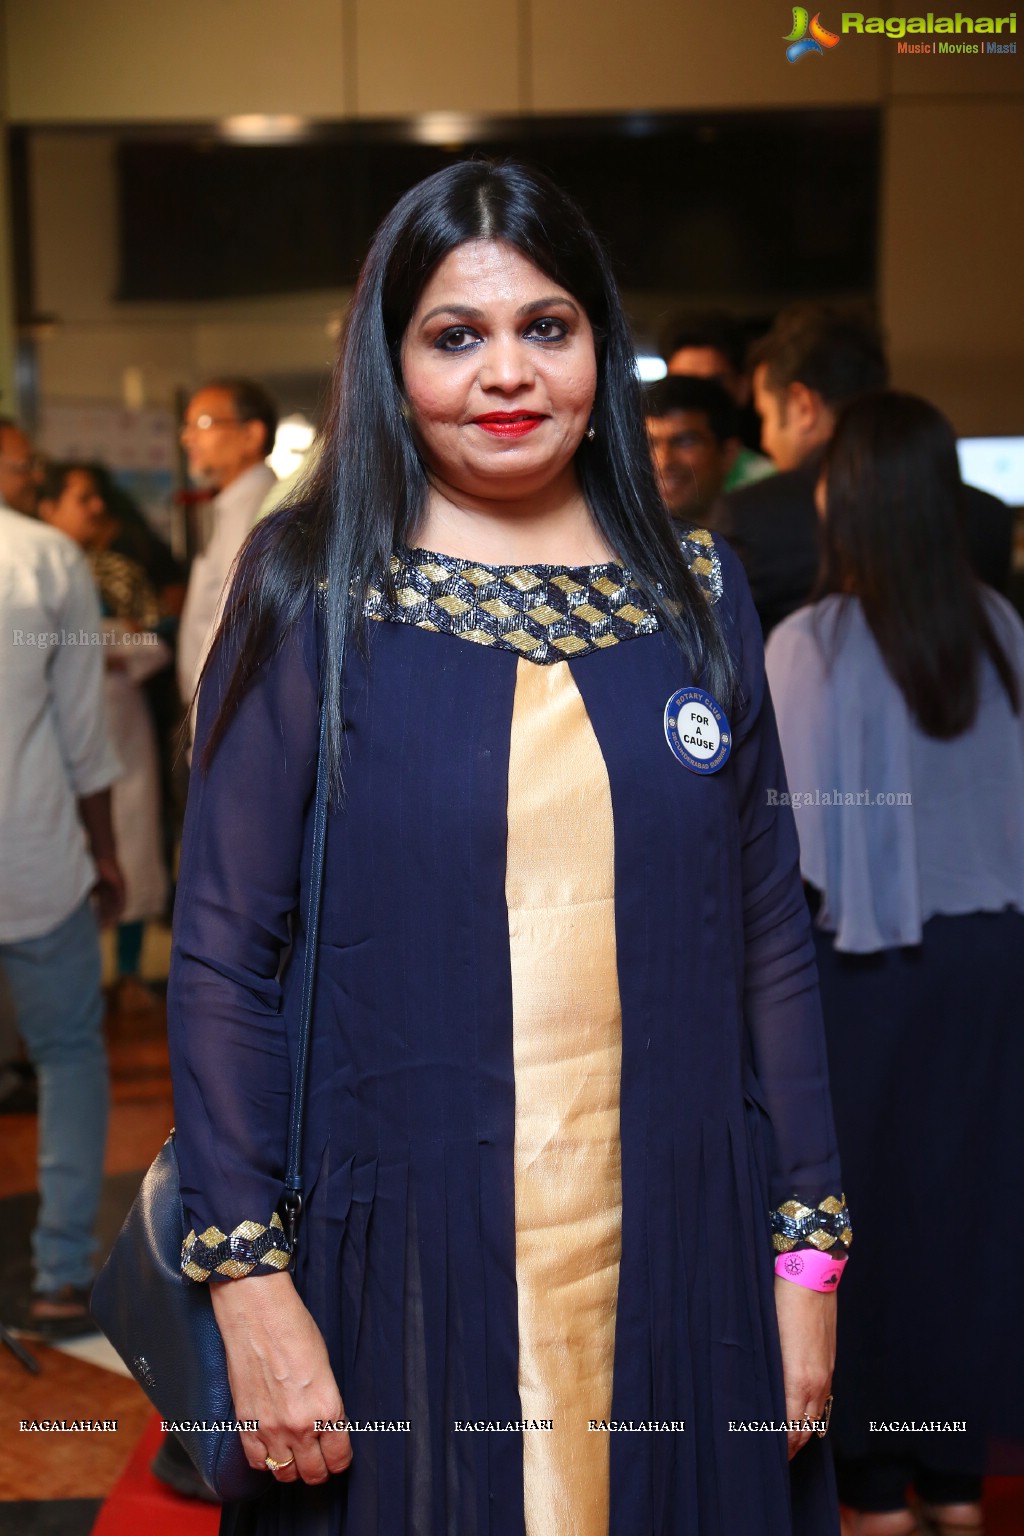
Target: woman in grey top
[898,694]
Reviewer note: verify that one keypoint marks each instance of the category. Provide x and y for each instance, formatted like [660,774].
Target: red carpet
[1004,1506]
[139,1504]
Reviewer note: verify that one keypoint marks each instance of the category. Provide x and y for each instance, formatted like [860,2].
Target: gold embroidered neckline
[546,613]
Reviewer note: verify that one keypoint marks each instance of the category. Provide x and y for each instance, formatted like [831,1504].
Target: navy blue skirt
[926,1055]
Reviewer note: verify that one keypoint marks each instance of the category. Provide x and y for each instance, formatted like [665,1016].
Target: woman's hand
[280,1375]
[807,1334]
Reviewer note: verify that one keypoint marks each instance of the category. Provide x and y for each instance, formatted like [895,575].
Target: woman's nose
[506,364]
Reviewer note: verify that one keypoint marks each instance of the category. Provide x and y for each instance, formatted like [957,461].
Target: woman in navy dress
[568,1099]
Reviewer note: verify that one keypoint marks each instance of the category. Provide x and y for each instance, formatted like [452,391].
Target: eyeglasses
[204,422]
[690,439]
[30,466]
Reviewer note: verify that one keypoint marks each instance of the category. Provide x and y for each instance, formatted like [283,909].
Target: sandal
[915,1529]
[931,1522]
[56,1316]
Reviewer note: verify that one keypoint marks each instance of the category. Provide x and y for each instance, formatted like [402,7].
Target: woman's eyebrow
[457,311]
[548,303]
[467,312]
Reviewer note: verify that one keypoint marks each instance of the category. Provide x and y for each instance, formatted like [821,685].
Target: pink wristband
[806,1266]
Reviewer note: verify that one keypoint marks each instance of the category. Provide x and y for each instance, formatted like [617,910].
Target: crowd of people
[896,670]
[95,611]
[520,877]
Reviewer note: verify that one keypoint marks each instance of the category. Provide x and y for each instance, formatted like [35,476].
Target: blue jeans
[54,981]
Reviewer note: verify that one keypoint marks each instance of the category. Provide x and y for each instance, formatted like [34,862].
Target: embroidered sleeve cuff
[825,1226]
[250,1248]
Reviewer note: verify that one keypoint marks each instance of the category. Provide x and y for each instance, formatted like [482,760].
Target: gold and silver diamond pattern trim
[546,613]
[237,1253]
[825,1226]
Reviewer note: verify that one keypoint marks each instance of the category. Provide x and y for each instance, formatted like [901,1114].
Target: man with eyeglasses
[19,469]
[229,429]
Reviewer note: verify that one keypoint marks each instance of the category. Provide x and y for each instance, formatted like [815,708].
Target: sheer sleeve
[238,889]
[782,1009]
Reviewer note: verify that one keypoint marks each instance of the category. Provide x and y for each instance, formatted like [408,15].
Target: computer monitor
[994,464]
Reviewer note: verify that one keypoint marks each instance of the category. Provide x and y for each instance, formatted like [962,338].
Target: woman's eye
[549,330]
[458,338]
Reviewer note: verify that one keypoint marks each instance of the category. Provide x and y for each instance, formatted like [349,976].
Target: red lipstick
[508,423]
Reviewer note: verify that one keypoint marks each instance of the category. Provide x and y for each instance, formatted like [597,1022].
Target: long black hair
[894,538]
[369,487]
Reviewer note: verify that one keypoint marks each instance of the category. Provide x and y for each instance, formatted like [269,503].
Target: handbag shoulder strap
[292,1201]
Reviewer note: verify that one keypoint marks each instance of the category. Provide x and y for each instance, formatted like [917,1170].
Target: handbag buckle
[291,1210]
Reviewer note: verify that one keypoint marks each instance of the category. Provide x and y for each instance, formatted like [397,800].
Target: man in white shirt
[56,855]
[19,477]
[229,429]
[19,469]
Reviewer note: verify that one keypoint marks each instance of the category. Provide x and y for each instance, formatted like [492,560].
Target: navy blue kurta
[407,1249]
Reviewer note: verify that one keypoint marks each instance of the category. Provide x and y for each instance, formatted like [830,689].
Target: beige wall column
[8,396]
[953,252]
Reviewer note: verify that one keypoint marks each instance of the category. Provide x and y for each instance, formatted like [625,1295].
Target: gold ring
[826,1414]
[276,1466]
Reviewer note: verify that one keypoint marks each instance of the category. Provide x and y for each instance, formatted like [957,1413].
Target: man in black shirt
[813,361]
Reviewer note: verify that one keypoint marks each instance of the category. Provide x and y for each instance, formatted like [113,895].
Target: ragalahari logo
[808,35]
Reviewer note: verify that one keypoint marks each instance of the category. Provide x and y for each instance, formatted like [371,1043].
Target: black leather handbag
[163,1325]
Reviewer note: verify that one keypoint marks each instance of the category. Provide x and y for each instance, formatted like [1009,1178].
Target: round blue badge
[697,731]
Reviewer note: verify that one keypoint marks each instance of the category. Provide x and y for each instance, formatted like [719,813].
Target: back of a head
[836,352]
[894,537]
[712,330]
[55,476]
[893,484]
[684,392]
